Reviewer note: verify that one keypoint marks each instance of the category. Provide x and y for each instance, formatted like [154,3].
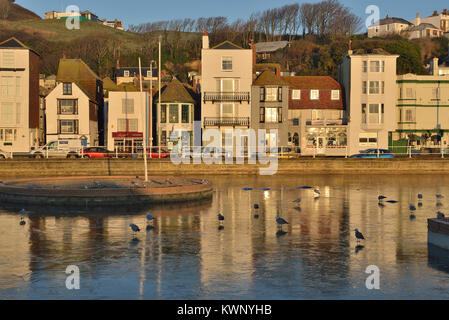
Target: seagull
[316,193]
[256,206]
[22,212]
[280,222]
[359,235]
[392,201]
[440,215]
[22,222]
[304,187]
[134,228]
[412,217]
[412,207]
[297,200]
[247,189]
[220,217]
[420,196]
[439,196]
[150,217]
[380,198]
[266,189]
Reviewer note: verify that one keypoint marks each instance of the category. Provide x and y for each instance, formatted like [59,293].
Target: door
[321,145]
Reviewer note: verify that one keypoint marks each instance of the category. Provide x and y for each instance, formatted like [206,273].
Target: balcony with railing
[227,97]
[226,122]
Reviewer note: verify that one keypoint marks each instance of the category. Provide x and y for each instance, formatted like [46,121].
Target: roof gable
[313,82]
[13,43]
[227,45]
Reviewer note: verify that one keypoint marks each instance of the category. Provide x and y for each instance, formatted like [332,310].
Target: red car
[154,153]
[96,153]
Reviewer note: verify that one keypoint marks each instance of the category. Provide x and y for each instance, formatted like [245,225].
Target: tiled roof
[312,82]
[422,26]
[392,20]
[77,71]
[270,46]
[175,91]
[269,78]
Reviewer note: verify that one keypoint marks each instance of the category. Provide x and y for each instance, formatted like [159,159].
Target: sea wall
[55,168]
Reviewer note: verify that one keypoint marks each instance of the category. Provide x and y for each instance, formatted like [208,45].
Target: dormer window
[314,94]
[126,73]
[335,95]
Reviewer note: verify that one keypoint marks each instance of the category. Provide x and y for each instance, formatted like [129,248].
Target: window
[8,60]
[8,87]
[7,114]
[227,110]
[409,116]
[364,87]
[67,89]
[374,87]
[271,94]
[272,115]
[368,140]
[363,113]
[127,106]
[262,93]
[383,87]
[314,94]
[226,64]
[409,93]
[262,115]
[8,135]
[374,66]
[122,125]
[149,75]
[163,113]
[317,115]
[365,66]
[127,125]
[185,113]
[280,94]
[296,94]
[126,73]
[174,113]
[383,66]
[296,122]
[228,85]
[67,106]
[132,125]
[335,95]
[68,126]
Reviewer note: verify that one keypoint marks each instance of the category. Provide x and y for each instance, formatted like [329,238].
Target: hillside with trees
[319,35]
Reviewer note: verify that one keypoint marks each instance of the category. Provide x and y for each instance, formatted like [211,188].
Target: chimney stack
[205,40]
[253,48]
[418,19]
[278,72]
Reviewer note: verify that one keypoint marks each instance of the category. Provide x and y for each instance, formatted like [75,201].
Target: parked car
[374,154]
[154,153]
[96,153]
[59,149]
[3,155]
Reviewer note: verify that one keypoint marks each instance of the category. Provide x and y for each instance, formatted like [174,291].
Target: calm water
[187,257]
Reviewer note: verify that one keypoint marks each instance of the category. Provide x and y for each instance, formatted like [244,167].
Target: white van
[69,148]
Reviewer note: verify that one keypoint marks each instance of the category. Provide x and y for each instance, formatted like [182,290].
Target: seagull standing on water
[359,236]
[297,200]
[412,207]
[150,217]
[220,218]
[280,221]
[316,193]
[134,228]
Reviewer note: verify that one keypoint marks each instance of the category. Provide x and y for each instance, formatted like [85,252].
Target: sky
[133,12]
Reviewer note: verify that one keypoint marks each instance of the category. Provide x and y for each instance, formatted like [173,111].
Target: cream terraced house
[368,79]
[19,97]
[226,80]
[73,107]
[388,26]
[423,110]
[176,113]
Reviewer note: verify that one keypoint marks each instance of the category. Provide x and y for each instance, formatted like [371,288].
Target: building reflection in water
[186,256]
